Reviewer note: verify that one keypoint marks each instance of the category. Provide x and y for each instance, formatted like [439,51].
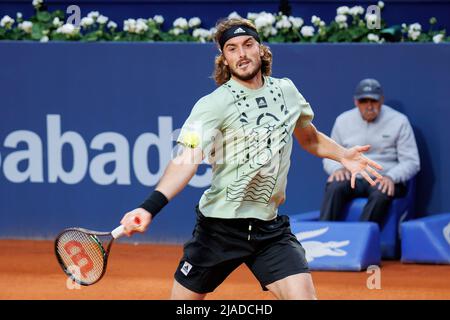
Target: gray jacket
[390,135]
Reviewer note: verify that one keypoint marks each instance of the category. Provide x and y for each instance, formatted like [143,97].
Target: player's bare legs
[181,293]
[296,287]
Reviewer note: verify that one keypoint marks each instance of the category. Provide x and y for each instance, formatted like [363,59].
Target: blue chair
[426,240]
[402,209]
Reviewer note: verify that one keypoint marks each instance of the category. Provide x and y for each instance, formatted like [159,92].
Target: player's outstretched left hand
[355,162]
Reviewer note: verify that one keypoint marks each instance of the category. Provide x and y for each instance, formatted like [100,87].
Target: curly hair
[221,71]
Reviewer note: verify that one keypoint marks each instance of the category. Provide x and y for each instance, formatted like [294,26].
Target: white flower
[234,15]
[284,23]
[315,20]
[93,14]
[373,37]
[341,21]
[102,19]
[138,26]
[356,10]
[414,31]
[180,23]
[213,31]
[381,4]
[264,20]
[264,23]
[135,26]
[56,22]
[340,18]
[177,31]
[307,31]
[413,35]
[342,10]
[26,26]
[37,3]
[141,25]
[371,18]
[111,25]
[269,17]
[202,34]
[129,25]
[252,16]
[67,29]
[44,39]
[296,22]
[158,19]
[86,22]
[438,38]
[194,22]
[6,21]
[322,23]
[415,27]
[273,32]
[19,15]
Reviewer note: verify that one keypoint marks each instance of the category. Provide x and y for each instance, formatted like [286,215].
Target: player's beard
[248,75]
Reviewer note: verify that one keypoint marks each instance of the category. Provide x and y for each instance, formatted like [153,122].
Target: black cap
[368,88]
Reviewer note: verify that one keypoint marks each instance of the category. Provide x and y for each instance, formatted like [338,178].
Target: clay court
[28,270]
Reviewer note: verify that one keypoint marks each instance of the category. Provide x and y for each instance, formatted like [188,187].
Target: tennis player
[245,129]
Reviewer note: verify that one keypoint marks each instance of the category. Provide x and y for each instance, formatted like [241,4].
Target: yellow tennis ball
[191,139]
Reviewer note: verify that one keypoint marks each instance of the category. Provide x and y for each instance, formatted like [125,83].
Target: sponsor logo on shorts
[186,268]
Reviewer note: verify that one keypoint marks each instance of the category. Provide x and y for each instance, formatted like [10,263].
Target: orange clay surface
[28,270]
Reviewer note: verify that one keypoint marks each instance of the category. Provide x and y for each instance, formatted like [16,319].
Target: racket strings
[82,255]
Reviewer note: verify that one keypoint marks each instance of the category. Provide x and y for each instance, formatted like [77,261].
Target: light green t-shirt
[246,135]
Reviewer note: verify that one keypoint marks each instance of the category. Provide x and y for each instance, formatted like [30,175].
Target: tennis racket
[83,254]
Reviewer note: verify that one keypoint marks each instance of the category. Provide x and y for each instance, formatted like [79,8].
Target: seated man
[392,145]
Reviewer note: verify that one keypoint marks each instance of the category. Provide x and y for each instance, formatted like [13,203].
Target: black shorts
[219,246]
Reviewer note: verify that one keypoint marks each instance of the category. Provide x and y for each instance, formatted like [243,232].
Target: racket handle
[118,232]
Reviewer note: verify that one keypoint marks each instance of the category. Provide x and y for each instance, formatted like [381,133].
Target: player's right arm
[197,133]
[177,175]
